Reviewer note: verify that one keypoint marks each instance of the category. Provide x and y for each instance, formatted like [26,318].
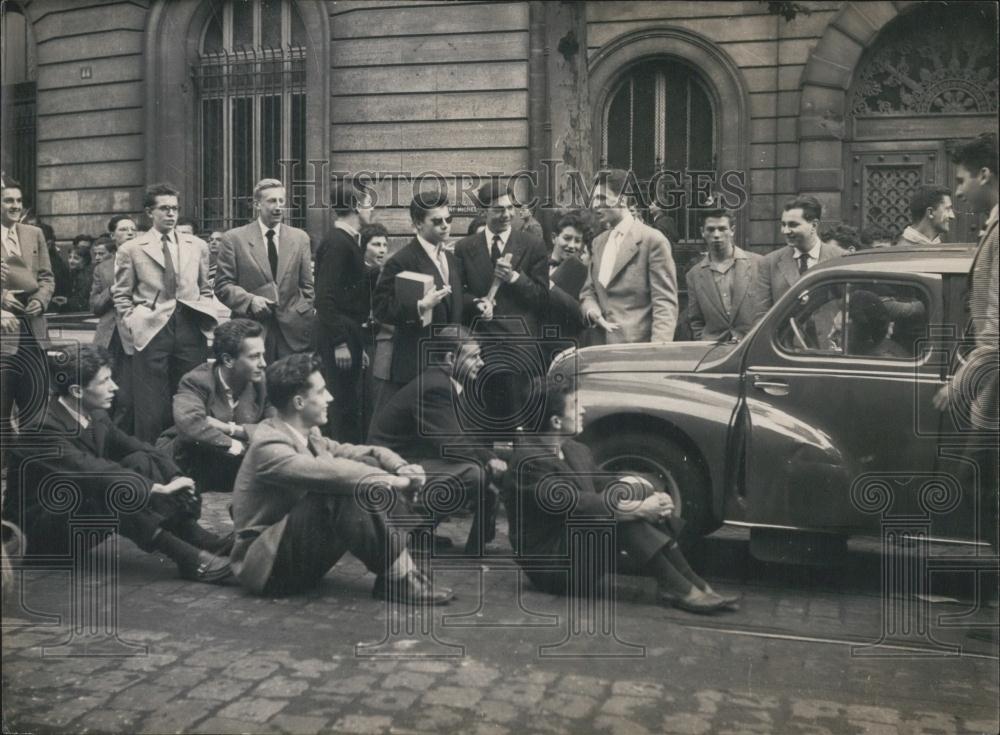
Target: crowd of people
[349,388]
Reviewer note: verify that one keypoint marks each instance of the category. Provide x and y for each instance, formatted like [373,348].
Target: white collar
[625,225]
[813,253]
[264,228]
[80,418]
[341,225]
[172,236]
[504,236]
[914,235]
[994,213]
[456,385]
[301,439]
[431,248]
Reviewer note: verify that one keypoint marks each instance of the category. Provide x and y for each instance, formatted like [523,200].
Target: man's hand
[260,308]
[428,302]
[415,473]
[365,361]
[4,270]
[11,303]
[393,482]
[496,467]
[8,323]
[34,308]
[942,399]
[237,448]
[485,307]
[342,357]
[608,326]
[178,484]
[503,272]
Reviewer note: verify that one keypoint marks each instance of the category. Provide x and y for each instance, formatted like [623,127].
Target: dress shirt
[722,274]
[437,256]
[80,418]
[456,385]
[11,246]
[173,248]
[812,255]
[611,247]
[230,398]
[916,236]
[277,234]
[504,237]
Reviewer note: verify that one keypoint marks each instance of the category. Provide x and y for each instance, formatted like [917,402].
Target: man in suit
[343,300]
[424,421]
[562,312]
[973,394]
[631,289]
[218,405]
[113,474]
[778,270]
[165,309]
[518,262]
[264,272]
[28,290]
[931,215]
[719,286]
[558,481]
[425,253]
[301,501]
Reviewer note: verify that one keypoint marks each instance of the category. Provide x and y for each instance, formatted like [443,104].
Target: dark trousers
[319,530]
[275,344]
[452,484]
[124,408]
[49,533]
[212,468]
[347,410]
[177,349]
[24,382]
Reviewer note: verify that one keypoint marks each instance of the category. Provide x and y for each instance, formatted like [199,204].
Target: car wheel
[669,467]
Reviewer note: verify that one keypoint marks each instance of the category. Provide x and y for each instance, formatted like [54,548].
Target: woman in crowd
[378,338]
[81,275]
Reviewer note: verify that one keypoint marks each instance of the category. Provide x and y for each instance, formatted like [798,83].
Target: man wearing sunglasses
[425,254]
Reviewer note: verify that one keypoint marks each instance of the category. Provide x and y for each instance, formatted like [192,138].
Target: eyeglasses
[438,221]
[167,208]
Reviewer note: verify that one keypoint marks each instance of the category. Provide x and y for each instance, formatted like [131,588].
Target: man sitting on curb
[218,406]
[301,500]
[112,474]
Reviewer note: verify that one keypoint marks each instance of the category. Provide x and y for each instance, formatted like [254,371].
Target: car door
[834,380]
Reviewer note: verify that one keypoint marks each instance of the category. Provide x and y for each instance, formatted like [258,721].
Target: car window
[870,319]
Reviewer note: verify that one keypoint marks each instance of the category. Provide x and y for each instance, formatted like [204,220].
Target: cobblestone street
[213,659]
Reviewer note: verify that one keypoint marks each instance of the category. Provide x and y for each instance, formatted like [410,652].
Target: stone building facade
[854,102]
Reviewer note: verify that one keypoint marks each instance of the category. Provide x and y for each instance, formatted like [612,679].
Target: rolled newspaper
[492,295]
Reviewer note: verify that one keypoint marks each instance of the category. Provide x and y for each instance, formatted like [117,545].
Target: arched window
[251,84]
[17,99]
[660,116]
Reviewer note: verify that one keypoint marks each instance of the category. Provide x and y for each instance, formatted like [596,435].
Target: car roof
[955,258]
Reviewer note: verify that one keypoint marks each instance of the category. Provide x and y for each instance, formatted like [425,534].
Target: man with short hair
[430,415]
[113,474]
[930,217]
[166,310]
[426,254]
[343,298]
[973,390]
[301,500]
[631,290]
[778,270]
[264,272]
[720,299]
[218,405]
[28,288]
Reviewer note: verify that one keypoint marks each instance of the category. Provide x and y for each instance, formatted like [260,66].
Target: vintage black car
[820,420]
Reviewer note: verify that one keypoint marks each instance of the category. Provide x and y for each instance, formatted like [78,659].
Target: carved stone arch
[721,75]
[173,36]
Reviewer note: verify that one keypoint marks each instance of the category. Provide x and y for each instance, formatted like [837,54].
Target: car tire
[669,467]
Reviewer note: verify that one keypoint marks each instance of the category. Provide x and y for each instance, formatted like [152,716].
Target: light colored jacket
[641,295]
[778,271]
[33,265]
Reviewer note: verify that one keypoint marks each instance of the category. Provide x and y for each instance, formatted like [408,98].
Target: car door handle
[771,387]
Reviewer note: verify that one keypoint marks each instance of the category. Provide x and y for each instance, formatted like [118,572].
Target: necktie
[442,264]
[803,263]
[495,250]
[272,254]
[169,274]
[12,246]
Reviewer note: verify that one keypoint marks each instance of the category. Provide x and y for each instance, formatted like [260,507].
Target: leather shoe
[732,602]
[412,589]
[695,601]
[211,569]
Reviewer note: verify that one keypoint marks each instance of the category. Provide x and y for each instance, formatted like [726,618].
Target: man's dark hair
[869,321]
[229,337]
[113,222]
[716,212]
[158,190]
[924,198]
[845,235]
[289,376]
[474,225]
[77,366]
[107,241]
[451,338]
[9,183]
[492,190]
[345,197]
[557,394]
[615,181]
[872,234]
[425,201]
[375,229]
[978,153]
[812,210]
[88,239]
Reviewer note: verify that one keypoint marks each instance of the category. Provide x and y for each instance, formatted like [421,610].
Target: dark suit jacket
[102,302]
[243,271]
[343,300]
[525,299]
[983,315]
[90,460]
[422,419]
[32,267]
[408,330]
[563,311]
[777,271]
[708,317]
